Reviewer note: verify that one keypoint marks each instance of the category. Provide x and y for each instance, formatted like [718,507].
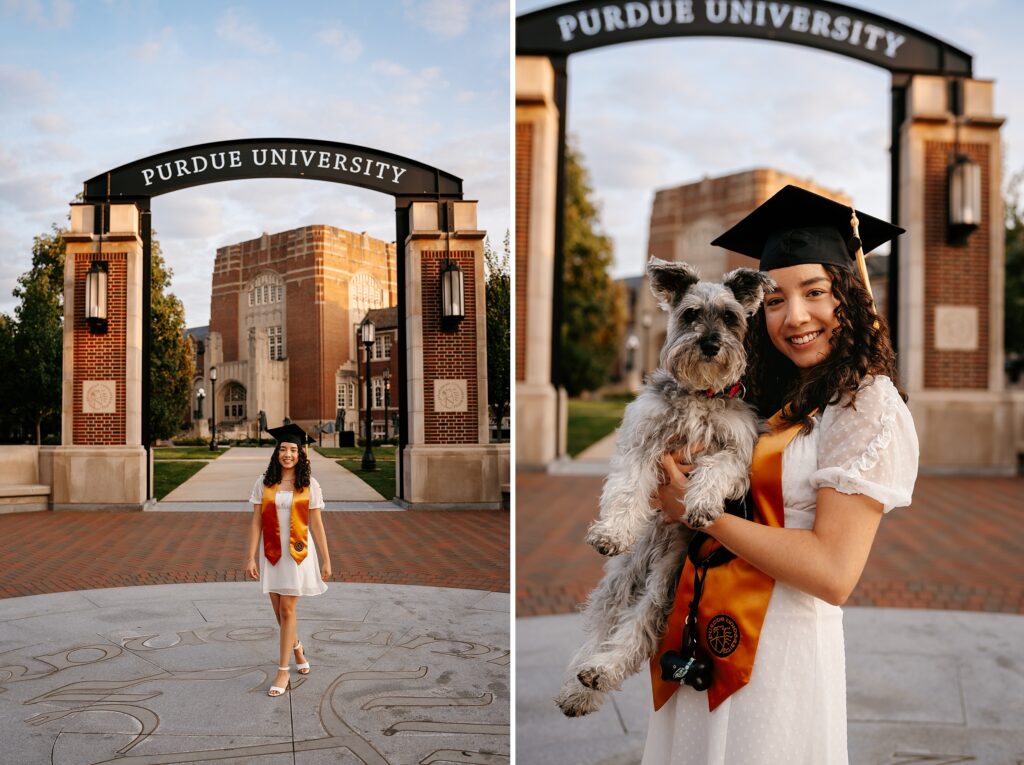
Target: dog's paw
[593,677]
[702,509]
[604,541]
[575,701]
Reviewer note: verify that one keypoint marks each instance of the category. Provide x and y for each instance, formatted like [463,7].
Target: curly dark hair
[860,347]
[302,470]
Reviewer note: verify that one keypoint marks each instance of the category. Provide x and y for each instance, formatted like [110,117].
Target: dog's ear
[670,281]
[749,287]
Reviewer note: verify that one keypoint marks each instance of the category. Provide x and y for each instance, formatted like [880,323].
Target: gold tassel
[862,266]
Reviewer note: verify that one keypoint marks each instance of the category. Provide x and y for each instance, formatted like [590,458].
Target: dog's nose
[709,347]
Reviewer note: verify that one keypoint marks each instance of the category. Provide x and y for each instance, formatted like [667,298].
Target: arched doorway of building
[435,233]
[942,128]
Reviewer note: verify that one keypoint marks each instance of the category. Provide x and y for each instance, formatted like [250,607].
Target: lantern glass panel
[965,193]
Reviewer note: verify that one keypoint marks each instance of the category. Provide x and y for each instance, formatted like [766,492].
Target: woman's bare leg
[287,620]
[275,602]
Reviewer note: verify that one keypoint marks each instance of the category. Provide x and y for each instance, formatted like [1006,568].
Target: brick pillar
[951,296]
[539,420]
[101,464]
[449,462]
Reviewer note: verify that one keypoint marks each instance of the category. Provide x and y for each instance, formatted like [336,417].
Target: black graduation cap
[797,226]
[292,434]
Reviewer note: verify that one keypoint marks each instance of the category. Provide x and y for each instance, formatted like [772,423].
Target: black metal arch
[137,182]
[272,158]
[567,28]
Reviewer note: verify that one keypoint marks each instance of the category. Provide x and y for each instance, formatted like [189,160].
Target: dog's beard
[693,369]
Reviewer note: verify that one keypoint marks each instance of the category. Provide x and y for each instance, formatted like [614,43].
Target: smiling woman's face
[801,314]
[288,455]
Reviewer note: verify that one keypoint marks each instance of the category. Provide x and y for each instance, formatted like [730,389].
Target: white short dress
[287,577]
[793,711]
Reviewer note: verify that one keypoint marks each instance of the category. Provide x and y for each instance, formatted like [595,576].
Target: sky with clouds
[88,85]
[660,113]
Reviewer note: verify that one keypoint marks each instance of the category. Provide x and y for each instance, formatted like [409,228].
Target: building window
[276,343]
[265,289]
[234,402]
[346,395]
[378,393]
[382,347]
[378,429]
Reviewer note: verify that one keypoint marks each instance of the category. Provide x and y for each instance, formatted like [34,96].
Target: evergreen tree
[35,370]
[498,289]
[593,309]
[171,366]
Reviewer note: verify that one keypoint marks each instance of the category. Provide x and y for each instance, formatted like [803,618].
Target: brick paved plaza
[960,546]
[59,552]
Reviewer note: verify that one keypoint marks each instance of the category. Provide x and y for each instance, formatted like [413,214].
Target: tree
[593,309]
[38,337]
[498,290]
[171,366]
[1014,283]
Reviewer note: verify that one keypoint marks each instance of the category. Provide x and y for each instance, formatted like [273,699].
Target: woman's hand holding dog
[670,492]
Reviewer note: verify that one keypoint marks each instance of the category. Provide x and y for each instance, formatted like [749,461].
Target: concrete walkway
[923,686]
[179,674]
[229,479]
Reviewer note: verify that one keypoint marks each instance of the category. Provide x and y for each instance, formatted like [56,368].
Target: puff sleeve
[870,448]
[316,494]
[256,498]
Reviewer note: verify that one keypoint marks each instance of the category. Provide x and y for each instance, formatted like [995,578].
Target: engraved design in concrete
[381,693]
[99,396]
[470,758]
[450,396]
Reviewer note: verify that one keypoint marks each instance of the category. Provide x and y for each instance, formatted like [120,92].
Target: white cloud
[233,29]
[53,124]
[150,49]
[445,19]
[23,88]
[58,16]
[345,44]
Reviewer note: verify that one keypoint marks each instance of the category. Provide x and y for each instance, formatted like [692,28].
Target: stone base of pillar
[447,477]
[968,432]
[99,478]
[539,428]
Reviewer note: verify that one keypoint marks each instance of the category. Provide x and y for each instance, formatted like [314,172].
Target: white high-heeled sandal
[304,667]
[277,691]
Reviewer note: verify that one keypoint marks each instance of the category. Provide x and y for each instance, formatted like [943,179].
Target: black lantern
[213,409]
[387,398]
[367,334]
[96,297]
[200,395]
[453,295]
[964,176]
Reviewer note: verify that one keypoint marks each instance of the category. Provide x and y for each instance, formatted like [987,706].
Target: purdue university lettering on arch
[296,158]
[571,27]
[797,18]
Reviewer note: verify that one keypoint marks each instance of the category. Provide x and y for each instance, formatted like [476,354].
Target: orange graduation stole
[299,546]
[735,594]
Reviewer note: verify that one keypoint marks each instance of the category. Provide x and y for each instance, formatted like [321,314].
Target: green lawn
[167,476]
[382,480]
[590,421]
[185,453]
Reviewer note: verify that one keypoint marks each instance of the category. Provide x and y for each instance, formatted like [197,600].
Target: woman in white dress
[287,502]
[821,358]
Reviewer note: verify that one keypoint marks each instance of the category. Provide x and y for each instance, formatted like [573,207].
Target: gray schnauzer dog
[690,399]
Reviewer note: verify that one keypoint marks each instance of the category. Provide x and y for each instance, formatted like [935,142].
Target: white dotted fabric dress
[287,577]
[793,711]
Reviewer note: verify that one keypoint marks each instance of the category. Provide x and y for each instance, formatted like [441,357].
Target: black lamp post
[366,334]
[213,409]
[200,395]
[387,398]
